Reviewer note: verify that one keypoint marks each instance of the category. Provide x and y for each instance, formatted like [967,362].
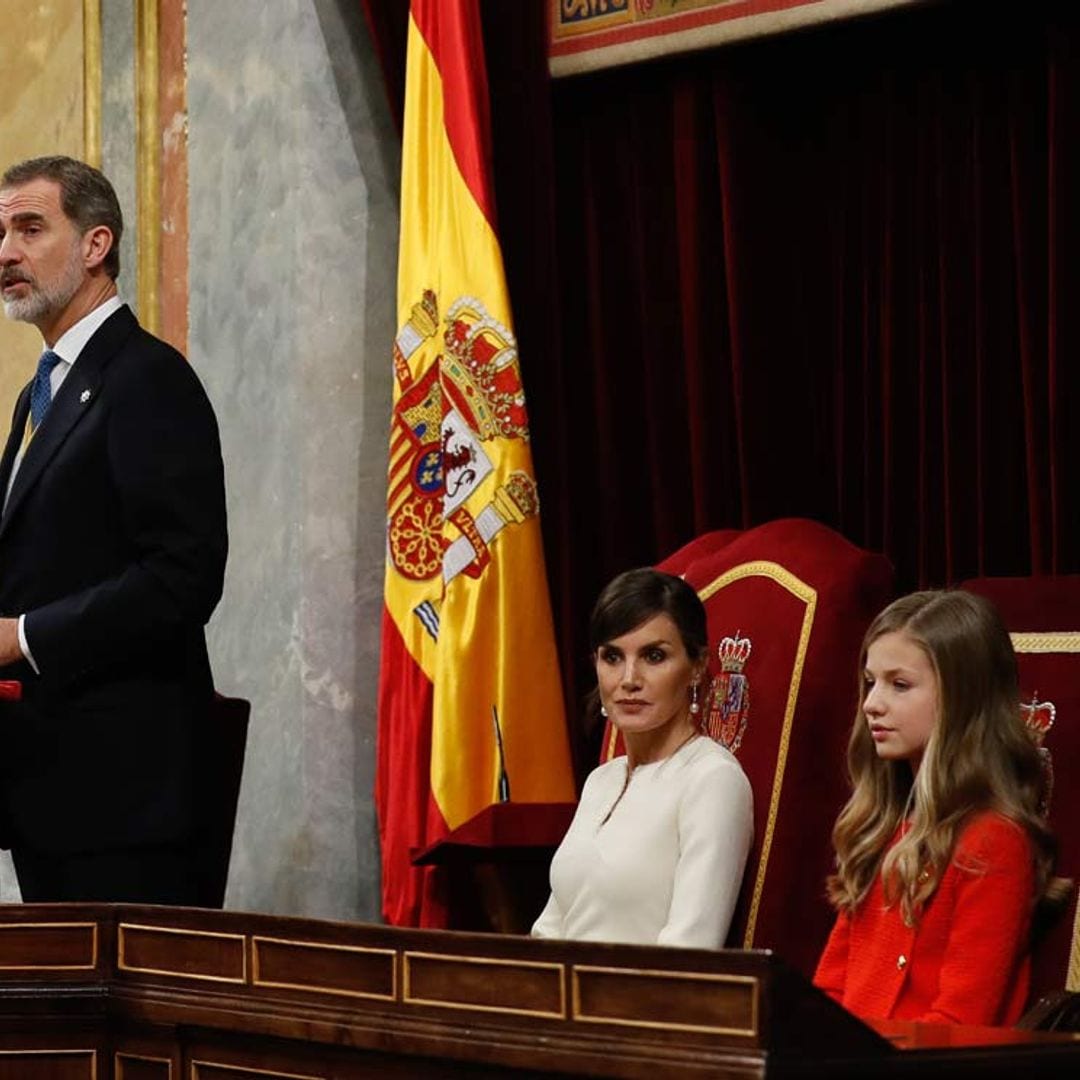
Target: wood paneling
[182,953]
[208,1070]
[184,994]
[721,1004]
[135,1067]
[48,946]
[48,1065]
[485,983]
[331,969]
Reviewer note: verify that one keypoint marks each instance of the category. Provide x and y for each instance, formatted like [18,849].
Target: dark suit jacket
[113,545]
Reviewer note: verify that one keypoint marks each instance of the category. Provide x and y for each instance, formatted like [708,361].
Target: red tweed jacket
[966,961]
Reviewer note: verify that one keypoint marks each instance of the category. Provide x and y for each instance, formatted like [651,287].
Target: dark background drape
[829,274]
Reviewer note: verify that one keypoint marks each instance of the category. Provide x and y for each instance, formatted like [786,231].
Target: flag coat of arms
[470,699]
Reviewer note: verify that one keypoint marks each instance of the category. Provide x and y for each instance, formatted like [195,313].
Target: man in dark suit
[112,555]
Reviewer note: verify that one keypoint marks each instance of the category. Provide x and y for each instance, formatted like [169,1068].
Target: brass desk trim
[118,1065]
[662,1025]
[123,965]
[92,927]
[559,969]
[92,82]
[258,980]
[64,1052]
[241,1070]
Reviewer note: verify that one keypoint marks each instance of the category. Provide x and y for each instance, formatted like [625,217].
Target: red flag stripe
[451,30]
[402,793]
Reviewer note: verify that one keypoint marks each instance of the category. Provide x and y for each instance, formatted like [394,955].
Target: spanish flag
[470,700]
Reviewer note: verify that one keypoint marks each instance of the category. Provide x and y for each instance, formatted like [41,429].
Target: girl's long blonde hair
[980,756]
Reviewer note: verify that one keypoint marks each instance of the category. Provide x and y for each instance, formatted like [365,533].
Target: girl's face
[901,702]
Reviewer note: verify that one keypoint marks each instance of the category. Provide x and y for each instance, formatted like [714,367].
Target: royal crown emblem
[454,408]
[729,693]
[481,374]
[1039,717]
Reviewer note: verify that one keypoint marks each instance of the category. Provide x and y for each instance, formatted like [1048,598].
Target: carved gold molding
[148,161]
[147,140]
[92,82]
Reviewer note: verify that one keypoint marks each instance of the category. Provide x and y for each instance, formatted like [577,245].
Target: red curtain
[829,274]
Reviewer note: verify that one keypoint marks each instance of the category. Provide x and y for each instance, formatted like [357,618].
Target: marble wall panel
[293,234]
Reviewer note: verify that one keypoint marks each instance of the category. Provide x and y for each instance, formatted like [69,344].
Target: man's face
[41,257]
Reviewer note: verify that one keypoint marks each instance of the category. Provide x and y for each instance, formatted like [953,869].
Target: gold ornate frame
[92,82]
[148,140]
[148,162]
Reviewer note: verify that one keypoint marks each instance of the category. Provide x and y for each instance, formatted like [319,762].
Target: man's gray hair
[86,196]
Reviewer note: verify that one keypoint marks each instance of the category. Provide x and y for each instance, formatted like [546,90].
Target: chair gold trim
[1054,641]
[808,595]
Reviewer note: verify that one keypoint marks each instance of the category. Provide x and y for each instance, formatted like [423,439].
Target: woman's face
[645,676]
[901,701]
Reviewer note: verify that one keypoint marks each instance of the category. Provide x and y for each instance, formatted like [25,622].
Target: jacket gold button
[901,962]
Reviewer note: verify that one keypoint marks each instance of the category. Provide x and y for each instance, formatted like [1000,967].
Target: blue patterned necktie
[41,391]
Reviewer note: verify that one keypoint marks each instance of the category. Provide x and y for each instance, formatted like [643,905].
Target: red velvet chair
[1043,617]
[802,596]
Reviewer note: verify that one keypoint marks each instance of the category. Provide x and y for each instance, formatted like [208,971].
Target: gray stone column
[294,168]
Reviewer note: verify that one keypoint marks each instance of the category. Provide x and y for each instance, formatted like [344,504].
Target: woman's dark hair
[636,596]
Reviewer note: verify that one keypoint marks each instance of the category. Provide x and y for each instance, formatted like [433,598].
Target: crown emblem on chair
[733,652]
[1039,717]
[729,693]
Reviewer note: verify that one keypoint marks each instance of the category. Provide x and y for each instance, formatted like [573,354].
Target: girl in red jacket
[941,852]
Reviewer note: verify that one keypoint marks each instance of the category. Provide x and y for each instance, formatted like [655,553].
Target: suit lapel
[76,398]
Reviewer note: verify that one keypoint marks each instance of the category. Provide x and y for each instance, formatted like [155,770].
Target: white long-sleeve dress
[666,866]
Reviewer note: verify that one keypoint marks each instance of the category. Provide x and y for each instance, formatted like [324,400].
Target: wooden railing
[93,992]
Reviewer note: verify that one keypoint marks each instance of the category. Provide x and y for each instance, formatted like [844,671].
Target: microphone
[504,780]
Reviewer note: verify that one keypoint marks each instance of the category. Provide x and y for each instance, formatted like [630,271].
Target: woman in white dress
[656,851]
